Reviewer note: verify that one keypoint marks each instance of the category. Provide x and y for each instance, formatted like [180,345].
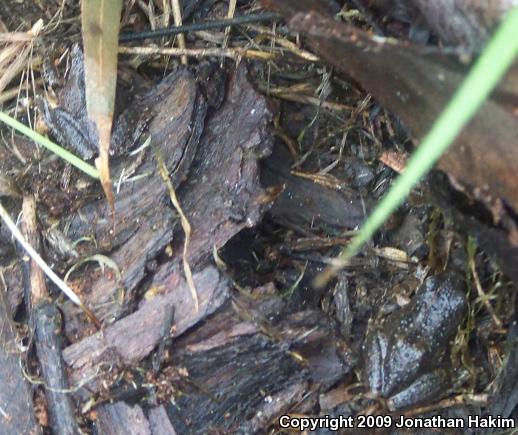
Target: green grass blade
[47,143]
[488,70]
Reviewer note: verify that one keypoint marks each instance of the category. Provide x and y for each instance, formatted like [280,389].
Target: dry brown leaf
[100,27]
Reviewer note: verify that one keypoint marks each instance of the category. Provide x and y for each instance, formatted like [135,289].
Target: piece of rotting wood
[121,419]
[219,192]
[159,422]
[143,221]
[132,338]
[46,321]
[304,202]
[48,347]
[416,82]
[246,369]
[16,408]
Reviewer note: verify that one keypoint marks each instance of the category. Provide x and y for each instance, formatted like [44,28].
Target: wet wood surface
[404,77]
[132,338]
[45,324]
[304,202]
[60,406]
[16,408]
[223,178]
[250,363]
[227,179]
[215,159]
[175,133]
[121,419]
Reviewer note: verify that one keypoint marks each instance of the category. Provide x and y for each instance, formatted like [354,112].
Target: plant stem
[47,143]
[488,70]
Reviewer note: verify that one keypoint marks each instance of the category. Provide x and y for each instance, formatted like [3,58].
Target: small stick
[230,14]
[46,319]
[307,99]
[285,43]
[48,348]
[233,53]
[35,288]
[177,15]
[41,263]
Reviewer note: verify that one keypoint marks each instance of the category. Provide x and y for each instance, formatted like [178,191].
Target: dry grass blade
[298,94]
[482,296]
[100,27]
[177,15]
[13,55]
[186,226]
[230,14]
[236,53]
[16,37]
[4,215]
[284,43]
[101,260]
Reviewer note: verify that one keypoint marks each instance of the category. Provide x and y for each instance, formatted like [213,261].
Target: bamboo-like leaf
[100,27]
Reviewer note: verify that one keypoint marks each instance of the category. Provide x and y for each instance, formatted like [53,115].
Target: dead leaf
[100,27]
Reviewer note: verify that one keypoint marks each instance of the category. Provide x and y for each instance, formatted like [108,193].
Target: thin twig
[285,43]
[230,14]
[473,399]
[4,215]
[233,53]
[288,95]
[290,143]
[177,15]
[45,318]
